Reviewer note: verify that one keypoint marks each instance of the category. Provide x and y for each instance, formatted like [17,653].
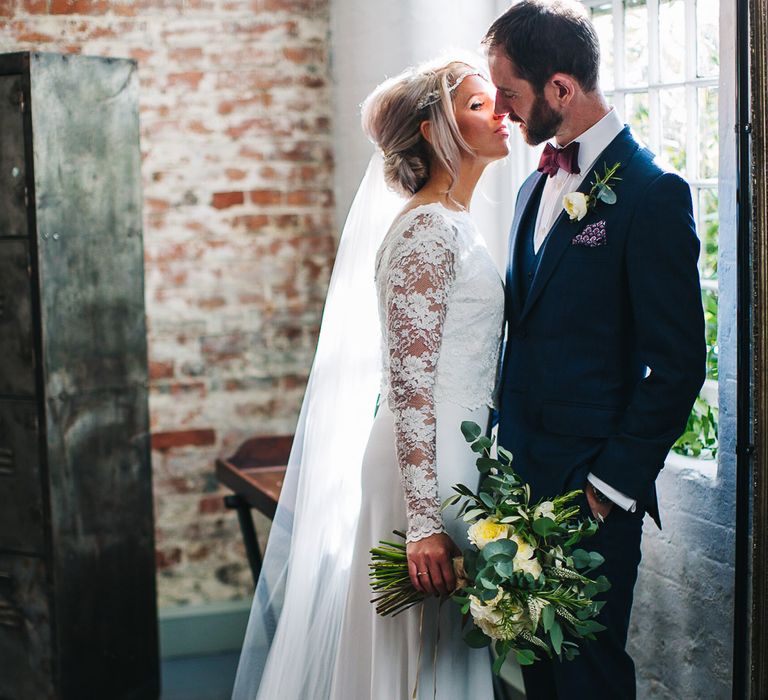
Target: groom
[605,348]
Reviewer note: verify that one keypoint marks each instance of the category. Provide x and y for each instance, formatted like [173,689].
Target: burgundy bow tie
[555,158]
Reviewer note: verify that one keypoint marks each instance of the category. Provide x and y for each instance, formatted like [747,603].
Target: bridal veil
[293,629]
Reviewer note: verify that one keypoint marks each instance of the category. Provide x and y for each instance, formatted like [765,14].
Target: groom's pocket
[584,420]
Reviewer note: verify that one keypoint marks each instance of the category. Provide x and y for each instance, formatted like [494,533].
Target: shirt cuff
[620,499]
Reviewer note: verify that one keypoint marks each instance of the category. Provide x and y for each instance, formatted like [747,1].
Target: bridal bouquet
[522,582]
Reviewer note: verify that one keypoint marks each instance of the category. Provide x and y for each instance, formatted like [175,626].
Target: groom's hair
[544,37]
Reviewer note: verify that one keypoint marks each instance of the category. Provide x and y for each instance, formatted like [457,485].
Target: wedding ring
[422,573]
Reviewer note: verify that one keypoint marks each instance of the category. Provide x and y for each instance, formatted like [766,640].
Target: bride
[416,303]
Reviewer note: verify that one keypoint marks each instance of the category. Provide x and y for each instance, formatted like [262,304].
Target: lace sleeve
[420,274]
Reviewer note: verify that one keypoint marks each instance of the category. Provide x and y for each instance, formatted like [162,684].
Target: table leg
[248,530]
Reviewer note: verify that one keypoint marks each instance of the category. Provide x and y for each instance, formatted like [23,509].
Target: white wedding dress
[441,305]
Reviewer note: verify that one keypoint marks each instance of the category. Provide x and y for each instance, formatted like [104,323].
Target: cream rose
[485,531]
[545,509]
[525,560]
[488,618]
[575,204]
[485,616]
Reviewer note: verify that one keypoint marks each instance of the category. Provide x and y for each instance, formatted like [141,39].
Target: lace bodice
[441,302]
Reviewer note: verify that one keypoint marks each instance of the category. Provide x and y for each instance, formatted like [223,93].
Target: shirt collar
[596,139]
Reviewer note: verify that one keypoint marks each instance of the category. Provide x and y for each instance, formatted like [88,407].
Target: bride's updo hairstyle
[393,112]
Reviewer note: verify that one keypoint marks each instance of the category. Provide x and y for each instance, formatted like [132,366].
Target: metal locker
[78,611]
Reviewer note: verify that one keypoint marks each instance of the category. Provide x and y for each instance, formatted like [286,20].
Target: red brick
[212,303]
[235,173]
[190,79]
[33,7]
[303,54]
[223,200]
[185,54]
[183,438]
[251,222]
[34,38]
[78,7]
[166,558]
[211,504]
[160,370]
[266,197]
[7,8]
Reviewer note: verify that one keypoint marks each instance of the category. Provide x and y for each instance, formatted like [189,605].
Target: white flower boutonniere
[577,204]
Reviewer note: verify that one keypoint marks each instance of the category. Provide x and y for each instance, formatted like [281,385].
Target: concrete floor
[212,677]
[199,678]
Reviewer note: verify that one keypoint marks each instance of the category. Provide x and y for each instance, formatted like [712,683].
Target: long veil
[291,640]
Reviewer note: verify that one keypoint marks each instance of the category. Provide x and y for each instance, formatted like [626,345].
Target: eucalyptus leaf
[487,500]
[471,430]
[547,617]
[485,464]
[481,444]
[556,636]
[545,526]
[498,662]
[476,639]
[607,195]
[525,657]
[492,549]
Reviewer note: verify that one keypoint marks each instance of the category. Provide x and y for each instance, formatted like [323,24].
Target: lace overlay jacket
[441,302]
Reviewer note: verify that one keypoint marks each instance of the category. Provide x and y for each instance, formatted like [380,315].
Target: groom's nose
[498,104]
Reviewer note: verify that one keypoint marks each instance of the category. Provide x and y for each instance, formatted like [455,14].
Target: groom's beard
[542,124]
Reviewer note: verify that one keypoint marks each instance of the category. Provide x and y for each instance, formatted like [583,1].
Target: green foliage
[709,299]
[700,436]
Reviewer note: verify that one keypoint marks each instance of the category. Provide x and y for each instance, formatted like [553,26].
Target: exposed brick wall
[237,169]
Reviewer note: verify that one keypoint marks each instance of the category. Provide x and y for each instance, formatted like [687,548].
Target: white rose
[545,509]
[575,204]
[525,560]
[524,550]
[488,618]
[485,616]
[485,531]
[527,566]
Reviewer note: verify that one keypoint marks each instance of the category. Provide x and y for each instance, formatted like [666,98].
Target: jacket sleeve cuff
[620,499]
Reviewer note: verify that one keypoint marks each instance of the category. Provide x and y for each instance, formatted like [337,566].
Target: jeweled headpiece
[432,97]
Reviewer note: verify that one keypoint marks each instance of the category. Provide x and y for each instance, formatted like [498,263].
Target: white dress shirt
[591,144]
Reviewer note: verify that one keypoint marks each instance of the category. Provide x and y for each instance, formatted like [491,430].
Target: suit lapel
[529,195]
[620,150]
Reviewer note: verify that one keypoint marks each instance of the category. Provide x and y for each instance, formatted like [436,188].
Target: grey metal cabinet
[78,614]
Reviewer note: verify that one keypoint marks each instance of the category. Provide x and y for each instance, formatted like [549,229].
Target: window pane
[637,115]
[673,128]
[708,137]
[672,40]
[708,228]
[709,298]
[602,18]
[635,42]
[707,59]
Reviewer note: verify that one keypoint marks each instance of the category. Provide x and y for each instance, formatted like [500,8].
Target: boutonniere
[577,204]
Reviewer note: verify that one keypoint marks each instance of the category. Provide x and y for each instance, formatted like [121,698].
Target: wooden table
[255,474]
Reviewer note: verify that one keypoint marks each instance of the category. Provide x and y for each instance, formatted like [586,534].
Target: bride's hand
[430,564]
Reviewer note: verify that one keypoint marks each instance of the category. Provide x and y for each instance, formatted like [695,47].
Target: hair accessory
[432,97]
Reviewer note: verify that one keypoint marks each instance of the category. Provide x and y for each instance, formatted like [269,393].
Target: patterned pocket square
[592,235]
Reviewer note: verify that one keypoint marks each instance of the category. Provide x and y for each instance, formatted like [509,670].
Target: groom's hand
[430,564]
[599,510]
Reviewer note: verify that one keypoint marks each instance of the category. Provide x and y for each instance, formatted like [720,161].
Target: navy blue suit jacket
[605,357]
